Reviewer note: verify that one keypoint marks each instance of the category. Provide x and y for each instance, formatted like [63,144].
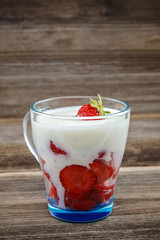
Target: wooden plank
[131,76]
[49,62]
[80,56]
[142,146]
[136,213]
[142,97]
[79,38]
[76,11]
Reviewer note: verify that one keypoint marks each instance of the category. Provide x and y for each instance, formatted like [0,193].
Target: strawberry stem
[98,105]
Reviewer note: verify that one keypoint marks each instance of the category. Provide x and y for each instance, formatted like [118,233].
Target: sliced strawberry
[109,195]
[56,150]
[78,204]
[111,187]
[42,160]
[70,197]
[115,172]
[97,195]
[83,205]
[47,175]
[75,196]
[77,179]
[110,172]
[50,202]
[111,154]
[105,186]
[56,199]
[101,169]
[67,200]
[53,193]
[101,154]
[101,187]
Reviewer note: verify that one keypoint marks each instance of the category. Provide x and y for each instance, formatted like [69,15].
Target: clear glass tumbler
[80,157]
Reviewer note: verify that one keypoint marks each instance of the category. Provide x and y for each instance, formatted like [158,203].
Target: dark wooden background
[80,47]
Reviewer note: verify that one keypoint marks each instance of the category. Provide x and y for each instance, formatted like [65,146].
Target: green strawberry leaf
[98,105]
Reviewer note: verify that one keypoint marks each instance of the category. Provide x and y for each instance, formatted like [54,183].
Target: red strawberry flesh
[83,205]
[44,162]
[109,195]
[53,192]
[77,179]
[101,154]
[56,150]
[47,175]
[74,196]
[67,200]
[101,169]
[97,195]
[87,111]
[94,108]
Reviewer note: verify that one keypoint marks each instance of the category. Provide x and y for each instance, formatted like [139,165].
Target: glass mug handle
[28,135]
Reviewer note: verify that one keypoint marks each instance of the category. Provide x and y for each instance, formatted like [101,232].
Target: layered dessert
[80,156]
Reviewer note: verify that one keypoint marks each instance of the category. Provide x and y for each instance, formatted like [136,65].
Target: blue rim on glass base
[69,215]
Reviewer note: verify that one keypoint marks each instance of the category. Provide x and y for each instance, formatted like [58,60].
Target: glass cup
[80,157]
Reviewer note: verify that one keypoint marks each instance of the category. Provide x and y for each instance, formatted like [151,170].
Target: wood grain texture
[131,76]
[83,38]
[76,11]
[56,48]
[135,213]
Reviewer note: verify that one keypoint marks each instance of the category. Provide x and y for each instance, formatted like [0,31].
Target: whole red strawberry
[87,111]
[94,108]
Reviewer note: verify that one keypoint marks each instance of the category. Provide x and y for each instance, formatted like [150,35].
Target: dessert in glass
[79,145]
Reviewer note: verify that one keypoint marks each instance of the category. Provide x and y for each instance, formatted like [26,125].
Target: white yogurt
[81,140]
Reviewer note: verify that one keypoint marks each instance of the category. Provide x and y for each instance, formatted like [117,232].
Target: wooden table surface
[58,48]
